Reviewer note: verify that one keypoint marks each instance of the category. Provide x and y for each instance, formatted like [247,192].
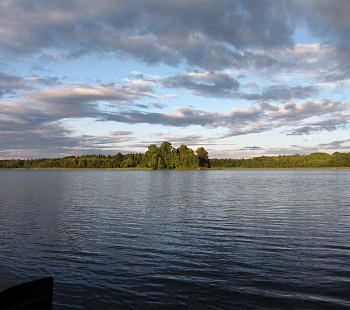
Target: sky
[241,78]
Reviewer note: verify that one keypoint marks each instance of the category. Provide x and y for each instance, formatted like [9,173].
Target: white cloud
[225,52]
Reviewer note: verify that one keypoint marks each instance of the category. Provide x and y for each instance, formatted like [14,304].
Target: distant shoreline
[203,169]
[167,157]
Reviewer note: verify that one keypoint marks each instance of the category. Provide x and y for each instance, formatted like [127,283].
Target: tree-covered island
[166,157]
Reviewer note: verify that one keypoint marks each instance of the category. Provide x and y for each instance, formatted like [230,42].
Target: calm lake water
[231,239]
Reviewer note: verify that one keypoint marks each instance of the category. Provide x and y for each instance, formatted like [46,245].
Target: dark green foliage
[167,157]
[85,161]
[203,157]
[163,157]
[314,160]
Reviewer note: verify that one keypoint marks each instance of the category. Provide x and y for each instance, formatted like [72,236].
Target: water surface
[253,239]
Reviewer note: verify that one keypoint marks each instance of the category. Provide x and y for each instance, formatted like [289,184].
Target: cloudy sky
[241,78]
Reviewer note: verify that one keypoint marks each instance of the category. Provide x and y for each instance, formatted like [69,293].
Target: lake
[215,239]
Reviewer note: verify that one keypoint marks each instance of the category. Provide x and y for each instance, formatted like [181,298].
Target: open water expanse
[230,239]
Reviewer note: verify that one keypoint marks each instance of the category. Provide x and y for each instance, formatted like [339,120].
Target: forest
[167,157]
[314,160]
[163,157]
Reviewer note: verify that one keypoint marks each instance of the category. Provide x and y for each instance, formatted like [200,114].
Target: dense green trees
[163,157]
[203,158]
[168,157]
[314,160]
[86,161]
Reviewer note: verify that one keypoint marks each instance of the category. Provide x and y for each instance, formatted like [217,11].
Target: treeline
[87,161]
[168,157]
[163,157]
[314,160]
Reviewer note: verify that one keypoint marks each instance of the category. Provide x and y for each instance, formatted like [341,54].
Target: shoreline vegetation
[167,157]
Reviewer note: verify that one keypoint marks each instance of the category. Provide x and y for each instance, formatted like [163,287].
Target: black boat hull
[35,294]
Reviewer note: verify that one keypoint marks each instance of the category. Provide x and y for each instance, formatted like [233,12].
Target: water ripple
[252,239]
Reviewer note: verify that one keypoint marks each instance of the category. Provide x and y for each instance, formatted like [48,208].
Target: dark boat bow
[35,294]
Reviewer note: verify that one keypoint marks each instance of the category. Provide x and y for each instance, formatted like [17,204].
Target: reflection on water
[274,239]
